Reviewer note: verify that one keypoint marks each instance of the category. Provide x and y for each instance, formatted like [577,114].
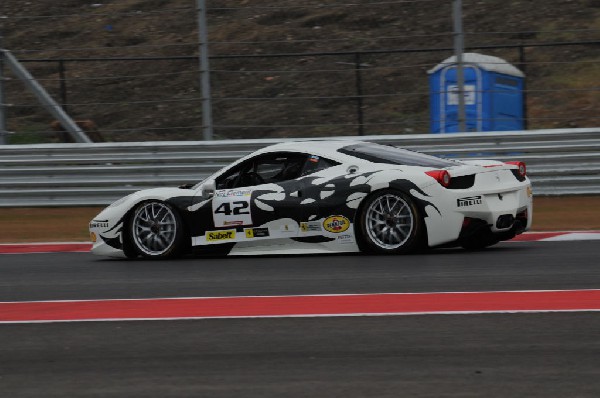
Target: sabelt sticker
[256,232]
[213,236]
[336,224]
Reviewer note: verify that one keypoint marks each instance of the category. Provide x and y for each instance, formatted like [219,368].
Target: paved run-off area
[573,213]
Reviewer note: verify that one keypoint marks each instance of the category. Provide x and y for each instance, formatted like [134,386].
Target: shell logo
[336,224]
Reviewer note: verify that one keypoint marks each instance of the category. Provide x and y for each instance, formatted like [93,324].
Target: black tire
[155,230]
[390,223]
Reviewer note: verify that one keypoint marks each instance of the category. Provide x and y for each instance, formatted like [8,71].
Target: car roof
[316,147]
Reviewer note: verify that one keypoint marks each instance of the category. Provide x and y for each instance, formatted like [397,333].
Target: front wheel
[156,230]
[390,223]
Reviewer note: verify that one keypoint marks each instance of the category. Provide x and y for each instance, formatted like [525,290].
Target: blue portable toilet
[493,92]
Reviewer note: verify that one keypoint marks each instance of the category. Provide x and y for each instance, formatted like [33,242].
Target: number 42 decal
[232,208]
[235,208]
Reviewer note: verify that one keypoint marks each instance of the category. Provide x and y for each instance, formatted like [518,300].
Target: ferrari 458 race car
[323,196]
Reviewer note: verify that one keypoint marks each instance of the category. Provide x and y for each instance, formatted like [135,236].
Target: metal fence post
[63,84]
[459,48]
[207,124]
[523,67]
[3,131]
[45,99]
[359,95]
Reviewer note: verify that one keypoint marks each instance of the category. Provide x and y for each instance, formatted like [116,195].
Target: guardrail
[560,162]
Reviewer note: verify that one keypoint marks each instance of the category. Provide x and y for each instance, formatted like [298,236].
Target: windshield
[391,155]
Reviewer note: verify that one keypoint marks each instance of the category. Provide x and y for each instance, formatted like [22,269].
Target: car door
[251,201]
[266,197]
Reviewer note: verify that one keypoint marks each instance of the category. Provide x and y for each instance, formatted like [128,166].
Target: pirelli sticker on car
[311,226]
[470,201]
[256,232]
[336,224]
[98,224]
[215,236]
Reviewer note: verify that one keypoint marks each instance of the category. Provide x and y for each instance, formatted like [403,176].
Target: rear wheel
[390,223]
[156,230]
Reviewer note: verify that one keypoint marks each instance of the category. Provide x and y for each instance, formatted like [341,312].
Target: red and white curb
[48,247]
[557,236]
[381,304]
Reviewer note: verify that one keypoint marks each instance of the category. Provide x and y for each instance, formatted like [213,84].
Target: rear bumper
[503,213]
[476,231]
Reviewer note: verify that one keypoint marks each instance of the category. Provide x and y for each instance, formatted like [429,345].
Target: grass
[32,133]
[572,213]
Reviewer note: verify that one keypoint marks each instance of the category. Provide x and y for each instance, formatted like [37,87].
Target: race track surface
[503,355]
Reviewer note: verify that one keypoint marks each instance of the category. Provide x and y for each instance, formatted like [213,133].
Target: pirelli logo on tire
[215,236]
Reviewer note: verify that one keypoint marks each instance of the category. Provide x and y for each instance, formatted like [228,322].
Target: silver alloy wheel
[389,221]
[154,228]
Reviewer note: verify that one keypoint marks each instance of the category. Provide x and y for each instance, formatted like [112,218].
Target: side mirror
[208,188]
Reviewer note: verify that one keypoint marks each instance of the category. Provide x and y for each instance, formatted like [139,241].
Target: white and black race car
[323,196]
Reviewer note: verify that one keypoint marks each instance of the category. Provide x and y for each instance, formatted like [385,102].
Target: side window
[317,163]
[230,179]
[280,167]
[269,168]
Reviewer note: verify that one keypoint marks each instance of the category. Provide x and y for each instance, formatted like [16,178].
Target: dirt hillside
[159,99]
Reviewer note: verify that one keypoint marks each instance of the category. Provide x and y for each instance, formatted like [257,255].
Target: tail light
[441,176]
[522,168]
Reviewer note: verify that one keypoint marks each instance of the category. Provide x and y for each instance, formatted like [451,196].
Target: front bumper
[107,238]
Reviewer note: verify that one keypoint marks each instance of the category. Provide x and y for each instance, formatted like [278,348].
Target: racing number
[232,208]
[239,207]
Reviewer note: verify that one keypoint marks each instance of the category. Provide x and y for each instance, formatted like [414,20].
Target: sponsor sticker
[336,224]
[228,193]
[529,192]
[287,228]
[469,201]
[311,226]
[256,232]
[96,224]
[231,208]
[232,223]
[345,238]
[213,236]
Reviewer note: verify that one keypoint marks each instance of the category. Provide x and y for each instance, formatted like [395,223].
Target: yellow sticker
[93,237]
[529,192]
[249,233]
[336,224]
[213,236]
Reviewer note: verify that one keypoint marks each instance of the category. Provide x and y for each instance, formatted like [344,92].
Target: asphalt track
[523,354]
